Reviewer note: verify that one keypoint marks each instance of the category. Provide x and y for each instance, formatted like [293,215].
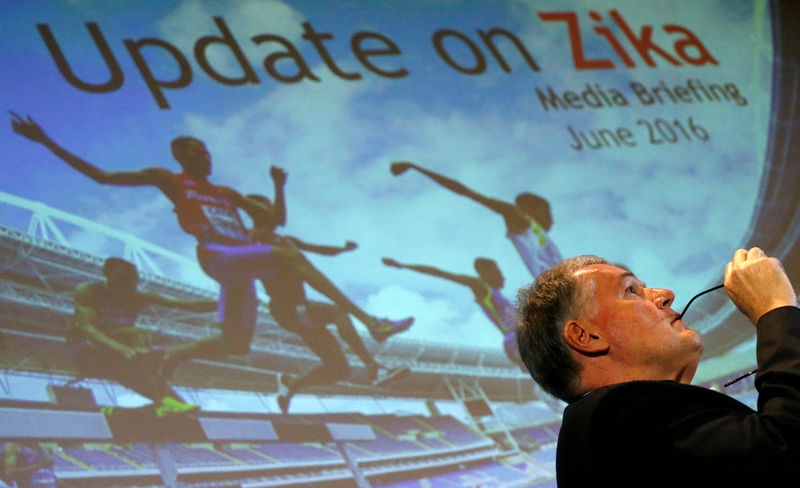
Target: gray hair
[555,297]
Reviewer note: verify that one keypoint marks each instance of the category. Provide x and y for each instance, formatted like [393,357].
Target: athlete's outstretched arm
[320,248]
[28,128]
[430,270]
[199,306]
[505,209]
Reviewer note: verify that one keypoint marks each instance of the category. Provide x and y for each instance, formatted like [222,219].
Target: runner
[292,310]
[107,344]
[528,219]
[486,291]
[498,309]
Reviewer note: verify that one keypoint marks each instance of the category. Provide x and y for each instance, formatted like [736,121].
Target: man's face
[195,159]
[643,333]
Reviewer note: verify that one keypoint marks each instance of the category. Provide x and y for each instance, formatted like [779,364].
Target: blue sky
[673,213]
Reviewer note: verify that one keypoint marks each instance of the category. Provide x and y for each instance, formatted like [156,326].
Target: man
[106,342]
[528,219]
[597,337]
[225,250]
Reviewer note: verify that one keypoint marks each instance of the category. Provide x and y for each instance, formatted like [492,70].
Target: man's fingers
[742,255]
[757,283]
[739,256]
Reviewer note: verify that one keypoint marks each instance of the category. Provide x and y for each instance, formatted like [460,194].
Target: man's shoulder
[648,391]
[89,291]
[616,417]
[641,387]
[629,400]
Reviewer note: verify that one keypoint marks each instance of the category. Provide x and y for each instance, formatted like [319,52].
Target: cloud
[436,319]
[245,19]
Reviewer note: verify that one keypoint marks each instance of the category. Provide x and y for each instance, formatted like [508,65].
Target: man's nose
[661,297]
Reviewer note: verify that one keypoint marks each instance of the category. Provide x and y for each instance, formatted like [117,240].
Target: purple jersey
[536,248]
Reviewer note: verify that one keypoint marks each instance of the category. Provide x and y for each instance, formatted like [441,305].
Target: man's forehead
[606,271]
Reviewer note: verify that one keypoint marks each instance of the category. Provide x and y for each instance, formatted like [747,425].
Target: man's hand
[757,284]
[27,127]
[391,262]
[278,175]
[350,245]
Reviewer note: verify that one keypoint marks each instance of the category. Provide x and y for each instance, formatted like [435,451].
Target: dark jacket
[663,433]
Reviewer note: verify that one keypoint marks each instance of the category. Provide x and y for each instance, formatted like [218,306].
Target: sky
[672,212]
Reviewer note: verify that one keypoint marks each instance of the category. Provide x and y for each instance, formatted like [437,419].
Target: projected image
[527,220]
[212,211]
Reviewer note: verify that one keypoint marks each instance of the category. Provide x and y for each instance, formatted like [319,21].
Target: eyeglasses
[735,380]
[697,296]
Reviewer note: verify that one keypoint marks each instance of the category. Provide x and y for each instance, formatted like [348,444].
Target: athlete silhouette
[527,220]
[485,288]
[292,310]
[106,343]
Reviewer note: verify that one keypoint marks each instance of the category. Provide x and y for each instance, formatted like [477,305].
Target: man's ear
[583,339]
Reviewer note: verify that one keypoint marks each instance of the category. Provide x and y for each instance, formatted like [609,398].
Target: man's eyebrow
[628,274]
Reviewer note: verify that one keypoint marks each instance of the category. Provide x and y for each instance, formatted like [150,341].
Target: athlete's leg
[380,329]
[237,313]
[334,365]
[285,259]
[142,372]
[235,268]
[320,341]
[326,313]
[137,373]
[377,373]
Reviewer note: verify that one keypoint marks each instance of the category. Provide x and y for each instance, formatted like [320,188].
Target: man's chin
[699,342]
[694,338]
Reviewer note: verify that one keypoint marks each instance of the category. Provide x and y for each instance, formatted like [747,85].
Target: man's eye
[631,289]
